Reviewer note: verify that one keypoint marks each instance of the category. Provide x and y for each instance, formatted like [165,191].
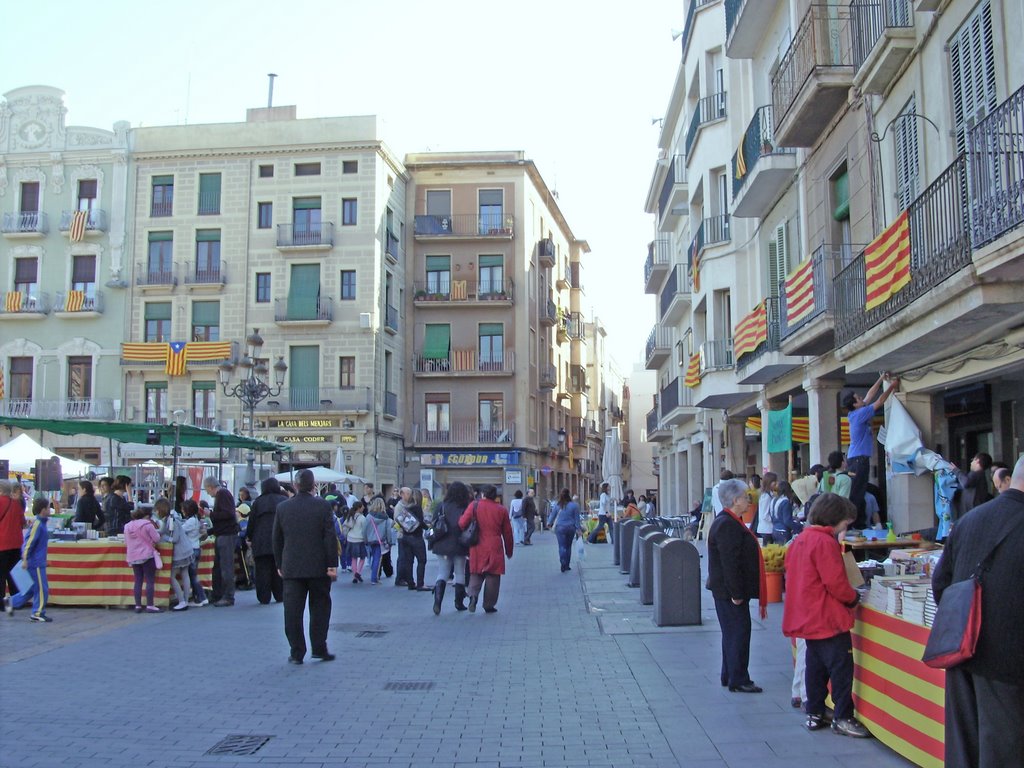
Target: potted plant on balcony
[420,295]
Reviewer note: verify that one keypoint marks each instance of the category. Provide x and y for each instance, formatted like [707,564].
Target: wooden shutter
[906,158]
[778,258]
[83,269]
[973,72]
[25,270]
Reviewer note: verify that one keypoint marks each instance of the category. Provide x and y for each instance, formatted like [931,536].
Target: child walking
[355,534]
[140,538]
[33,559]
[172,529]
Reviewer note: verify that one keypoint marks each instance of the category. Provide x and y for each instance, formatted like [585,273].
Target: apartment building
[63,193]
[861,113]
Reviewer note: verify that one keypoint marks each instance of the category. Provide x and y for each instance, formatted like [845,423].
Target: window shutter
[973,72]
[841,190]
[492,261]
[83,269]
[439,263]
[306,204]
[204,385]
[777,259]
[87,189]
[436,341]
[161,237]
[906,158]
[163,181]
[209,186]
[25,270]
[207,235]
[206,313]
[492,329]
[158,310]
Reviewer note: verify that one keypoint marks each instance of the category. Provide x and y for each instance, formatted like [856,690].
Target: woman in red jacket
[819,608]
[12,525]
[486,559]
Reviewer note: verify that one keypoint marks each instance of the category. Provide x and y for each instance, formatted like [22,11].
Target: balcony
[445,293]
[563,279]
[467,433]
[95,221]
[548,313]
[468,226]
[812,333]
[760,169]
[814,77]
[547,376]
[315,311]
[673,202]
[656,431]
[715,356]
[391,319]
[89,408]
[390,405]
[25,224]
[675,297]
[21,305]
[716,230]
[78,304]
[676,402]
[209,204]
[546,253]
[161,209]
[883,37]
[691,11]
[313,237]
[659,347]
[766,363]
[393,248]
[996,151]
[322,399]
[156,277]
[465,362]
[214,276]
[746,22]
[659,259]
[706,110]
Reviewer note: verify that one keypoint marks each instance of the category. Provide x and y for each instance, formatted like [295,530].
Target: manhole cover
[408,685]
[372,633]
[238,744]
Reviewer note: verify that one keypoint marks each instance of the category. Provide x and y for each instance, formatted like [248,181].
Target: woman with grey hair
[735,576]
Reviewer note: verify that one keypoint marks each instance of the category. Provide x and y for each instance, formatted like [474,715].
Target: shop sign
[301,439]
[545,470]
[470,459]
[513,477]
[300,424]
[349,439]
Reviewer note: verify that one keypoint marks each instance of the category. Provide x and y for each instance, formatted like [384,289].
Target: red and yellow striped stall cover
[95,572]
[898,698]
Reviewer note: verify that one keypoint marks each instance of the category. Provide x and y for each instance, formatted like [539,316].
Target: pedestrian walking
[410,543]
[12,526]
[306,553]
[224,520]
[260,534]
[450,553]
[355,536]
[567,527]
[487,558]
[140,539]
[195,528]
[33,560]
[530,516]
[515,511]
[380,537]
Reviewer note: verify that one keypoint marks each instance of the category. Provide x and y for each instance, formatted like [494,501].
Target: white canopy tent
[22,453]
[611,464]
[322,475]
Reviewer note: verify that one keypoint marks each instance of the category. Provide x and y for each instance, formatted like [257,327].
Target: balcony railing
[676,175]
[26,223]
[463,290]
[771,343]
[659,253]
[161,209]
[669,399]
[652,421]
[758,142]
[95,220]
[546,252]
[466,361]
[93,408]
[870,19]
[316,236]
[826,261]
[995,149]
[393,247]
[156,275]
[209,204]
[709,108]
[676,286]
[79,301]
[466,433]
[716,229]
[465,225]
[716,355]
[25,303]
[391,318]
[939,248]
[659,338]
[345,399]
[215,274]
[320,309]
[548,313]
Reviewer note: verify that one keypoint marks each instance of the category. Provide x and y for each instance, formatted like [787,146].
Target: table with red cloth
[95,572]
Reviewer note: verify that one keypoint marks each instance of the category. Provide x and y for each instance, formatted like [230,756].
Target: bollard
[676,583]
[617,542]
[647,543]
[634,559]
[626,548]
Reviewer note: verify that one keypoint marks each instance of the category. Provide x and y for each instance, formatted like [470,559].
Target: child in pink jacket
[140,538]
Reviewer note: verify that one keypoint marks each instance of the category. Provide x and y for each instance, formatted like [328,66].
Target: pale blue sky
[572,83]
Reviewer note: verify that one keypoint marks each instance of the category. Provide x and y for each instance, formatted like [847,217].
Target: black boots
[460,597]
[439,595]
[472,603]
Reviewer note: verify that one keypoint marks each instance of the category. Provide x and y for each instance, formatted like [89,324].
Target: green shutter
[437,339]
[158,310]
[439,263]
[205,313]
[306,204]
[841,188]
[209,185]
[303,291]
[156,385]
[492,329]
[161,237]
[207,235]
[204,386]
[163,181]
[492,261]
[304,378]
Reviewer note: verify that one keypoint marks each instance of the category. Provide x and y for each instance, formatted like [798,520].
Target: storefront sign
[470,459]
[303,438]
[349,439]
[513,477]
[299,424]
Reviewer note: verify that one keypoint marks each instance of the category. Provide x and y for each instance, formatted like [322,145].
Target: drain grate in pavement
[408,685]
[372,633]
[357,628]
[238,744]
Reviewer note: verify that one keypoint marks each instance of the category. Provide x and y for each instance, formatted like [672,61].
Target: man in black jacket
[985,695]
[260,533]
[224,521]
[306,553]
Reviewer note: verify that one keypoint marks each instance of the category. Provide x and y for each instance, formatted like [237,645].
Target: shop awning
[437,340]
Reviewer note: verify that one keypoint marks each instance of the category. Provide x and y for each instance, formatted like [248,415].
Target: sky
[573,84]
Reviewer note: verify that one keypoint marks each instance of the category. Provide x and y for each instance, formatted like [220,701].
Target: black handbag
[438,529]
[470,537]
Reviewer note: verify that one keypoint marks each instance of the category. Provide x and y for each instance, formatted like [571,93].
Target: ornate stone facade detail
[3,177]
[37,119]
[86,172]
[57,172]
[28,252]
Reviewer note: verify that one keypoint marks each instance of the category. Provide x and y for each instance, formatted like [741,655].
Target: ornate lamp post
[253,388]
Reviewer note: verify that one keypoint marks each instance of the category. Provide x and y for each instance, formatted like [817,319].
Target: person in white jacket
[765,524]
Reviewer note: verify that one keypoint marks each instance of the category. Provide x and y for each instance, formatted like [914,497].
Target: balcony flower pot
[767,148]
[420,295]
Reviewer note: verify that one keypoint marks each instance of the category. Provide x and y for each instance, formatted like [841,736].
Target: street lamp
[561,438]
[253,388]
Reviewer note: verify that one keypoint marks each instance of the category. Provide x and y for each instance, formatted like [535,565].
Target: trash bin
[626,546]
[647,544]
[634,559]
[676,583]
[617,543]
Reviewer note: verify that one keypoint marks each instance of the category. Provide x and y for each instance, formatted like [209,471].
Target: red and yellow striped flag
[208,350]
[2,393]
[799,292]
[77,229]
[74,301]
[144,351]
[12,301]
[175,358]
[802,429]
[751,331]
[887,262]
[695,265]
[693,371]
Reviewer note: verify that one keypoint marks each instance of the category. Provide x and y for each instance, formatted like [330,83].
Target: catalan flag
[802,429]
[208,350]
[77,230]
[12,301]
[751,331]
[887,262]
[799,292]
[176,358]
[741,165]
[74,301]
[692,378]
[144,352]
[695,252]
[2,393]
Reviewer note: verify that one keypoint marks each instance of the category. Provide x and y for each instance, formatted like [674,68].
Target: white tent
[611,464]
[322,475]
[22,453]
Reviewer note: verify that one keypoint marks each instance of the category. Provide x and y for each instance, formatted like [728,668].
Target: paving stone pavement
[571,671]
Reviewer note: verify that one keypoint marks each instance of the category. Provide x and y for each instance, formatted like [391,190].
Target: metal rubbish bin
[617,542]
[676,583]
[626,547]
[634,559]
[647,543]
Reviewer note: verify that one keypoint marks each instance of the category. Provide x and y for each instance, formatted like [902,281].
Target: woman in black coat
[260,534]
[88,508]
[449,552]
[121,505]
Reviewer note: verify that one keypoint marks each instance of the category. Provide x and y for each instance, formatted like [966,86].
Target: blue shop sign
[470,459]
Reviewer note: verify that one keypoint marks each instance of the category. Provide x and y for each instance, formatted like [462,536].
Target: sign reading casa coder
[470,459]
[304,438]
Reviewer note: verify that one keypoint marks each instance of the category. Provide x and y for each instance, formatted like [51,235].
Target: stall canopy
[22,453]
[161,434]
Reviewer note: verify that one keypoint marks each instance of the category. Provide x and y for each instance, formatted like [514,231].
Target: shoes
[153,609]
[223,603]
[401,583]
[355,579]
[848,726]
[460,597]
[325,656]
[439,588]
[746,688]
[564,569]
[359,578]
[8,608]
[422,588]
[294,660]
[472,603]
[814,723]
[490,610]
[796,702]
[201,603]
[180,607]
[138,609]
[40,617]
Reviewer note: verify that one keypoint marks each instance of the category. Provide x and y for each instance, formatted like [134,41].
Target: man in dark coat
[224,522]
[260,533]
[530,513]
[306,553]
[985,695]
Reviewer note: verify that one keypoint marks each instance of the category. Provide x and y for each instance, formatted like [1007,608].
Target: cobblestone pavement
[571,671]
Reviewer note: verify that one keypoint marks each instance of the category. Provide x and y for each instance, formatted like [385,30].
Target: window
[439,202]
[266,171]
[86,194]
[26,275]
[350,166]
[21,379]
[208,255]
[262,287]
[906,157]
[348,211]
[304,378]
[492,346]
[973,72]
[209,194]
[79,378]
[492,276]
[158,321]
[204,404]
[437,342]
[156,402]
[348,284]
[29,197]
[492,418]
[162,203]
[778,258]
[347,372]
[205,321]
[264,215]
[304,292]
[438,418]
[160,267]
[491,217]
[83,275]
[307,169]
[306,220]
[439,275]
[841,231]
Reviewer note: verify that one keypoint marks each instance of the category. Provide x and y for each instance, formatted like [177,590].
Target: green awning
[306,204]
[163,181]
[437,340]
[207,235]
[204,385]
[492,329]
[161,237]
[492,261]
[841,188]
[439,263]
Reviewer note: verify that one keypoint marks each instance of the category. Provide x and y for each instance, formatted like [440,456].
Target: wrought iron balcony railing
[995,151]
[161,209]
[826,261]
[79,301]
[25,303]
[294,310]
[92,408]
[758,142]
[26,223]
[870,19]
[676,175]
[669,399]
[676,285]
[716,229]
[659,338]
[214,274]
[466,433]
[652,421]
[351,399]
[659,253]
[771,343]
[314,235]
[95,220]
[460,361]
[548,376]
[465,225]
[716,355]
[156,274]
[462,290]
[709,108]
[209,204]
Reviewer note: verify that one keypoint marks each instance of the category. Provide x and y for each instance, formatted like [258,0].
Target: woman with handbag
[567,527]
[487,556]
[380,536]
[451,554]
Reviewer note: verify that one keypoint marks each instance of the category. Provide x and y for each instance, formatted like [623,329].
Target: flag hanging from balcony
[144,352]
[207,350]
[741,165]
[887,262]
[801,427]
[779,436]
[77,229]
[176,354]
[751,331]
[695,252]
[799,293]
[176,358]
[75,301]
[693,371]
[12,301]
